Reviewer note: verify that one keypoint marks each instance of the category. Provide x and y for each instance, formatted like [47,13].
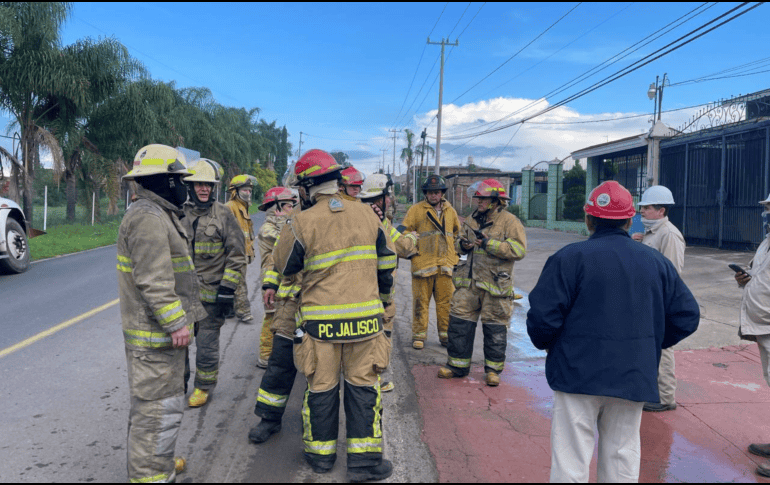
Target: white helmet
[374,186]
[657,195]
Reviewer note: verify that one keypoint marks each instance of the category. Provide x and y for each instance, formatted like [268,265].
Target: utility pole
[299,152]
[383,150]
[443,44]
[394,146]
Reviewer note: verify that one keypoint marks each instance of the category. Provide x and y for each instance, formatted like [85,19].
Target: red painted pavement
[478,433]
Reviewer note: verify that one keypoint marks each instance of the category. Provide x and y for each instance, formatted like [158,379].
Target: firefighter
[278,379]
[659,233]
[240,199]
[159,305]
[495,239]
[350,184]
[375,191]
[341,248]
[278,204]
[219,255]
[438,225]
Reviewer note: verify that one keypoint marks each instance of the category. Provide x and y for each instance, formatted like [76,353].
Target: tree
[407,156]
[32,68]
[574,192]
[341,158]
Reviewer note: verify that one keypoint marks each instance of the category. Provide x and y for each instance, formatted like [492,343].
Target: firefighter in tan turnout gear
[495,239]
[240,189]
[159,305]
[219,255]
[341,249]
[283,300]
[438,225]
[375,191]
[277,204]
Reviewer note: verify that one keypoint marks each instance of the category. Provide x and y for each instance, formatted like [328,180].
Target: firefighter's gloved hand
[482,242]
[467,245]
[225,300]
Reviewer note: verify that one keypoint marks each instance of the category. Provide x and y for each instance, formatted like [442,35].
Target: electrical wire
[628,69]
[418,65]
[598,68]
[517,53]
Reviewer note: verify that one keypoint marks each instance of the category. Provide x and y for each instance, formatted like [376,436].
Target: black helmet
[434,182]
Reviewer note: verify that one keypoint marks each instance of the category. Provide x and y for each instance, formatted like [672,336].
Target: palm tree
[407,156]
[31,68]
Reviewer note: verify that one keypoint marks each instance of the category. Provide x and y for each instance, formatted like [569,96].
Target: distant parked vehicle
[14,247]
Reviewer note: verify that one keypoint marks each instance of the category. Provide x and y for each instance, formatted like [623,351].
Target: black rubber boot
[370,473]
[264,430]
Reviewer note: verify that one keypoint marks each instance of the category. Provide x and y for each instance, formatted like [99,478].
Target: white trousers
[764,354]
[575,416]
[667,377]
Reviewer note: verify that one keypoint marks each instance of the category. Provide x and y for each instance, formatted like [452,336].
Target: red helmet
[276,194]
[489,188]
[313,165]
[610,200]
[351,176]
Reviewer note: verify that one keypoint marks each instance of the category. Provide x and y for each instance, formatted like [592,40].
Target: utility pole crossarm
[443,44]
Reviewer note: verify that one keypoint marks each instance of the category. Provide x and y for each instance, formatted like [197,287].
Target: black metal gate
[717,177]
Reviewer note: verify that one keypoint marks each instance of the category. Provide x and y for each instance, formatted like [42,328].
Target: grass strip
[73,238]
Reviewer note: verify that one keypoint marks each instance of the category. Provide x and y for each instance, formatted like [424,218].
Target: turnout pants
[278,378]
[266,337]
[441,288]
[207,348]
[575,416]
[468,305]
[321,362]
[666,377]
[155,380]
[242,303]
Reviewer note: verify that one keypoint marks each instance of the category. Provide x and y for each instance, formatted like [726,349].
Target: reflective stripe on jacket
[491,266]
[157,282]
[219,252]
[437,252]
[341,248]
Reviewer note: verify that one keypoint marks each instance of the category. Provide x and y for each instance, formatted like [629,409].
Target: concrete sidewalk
[477,433]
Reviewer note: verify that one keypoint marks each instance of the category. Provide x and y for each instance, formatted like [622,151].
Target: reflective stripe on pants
[277,381]
[157,404]
[207,348]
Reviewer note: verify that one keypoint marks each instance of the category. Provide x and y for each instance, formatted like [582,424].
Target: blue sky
[340,73]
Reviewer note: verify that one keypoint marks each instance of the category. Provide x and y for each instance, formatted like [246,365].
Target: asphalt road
[64,400]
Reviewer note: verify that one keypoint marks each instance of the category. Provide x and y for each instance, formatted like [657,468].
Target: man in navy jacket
[603,309]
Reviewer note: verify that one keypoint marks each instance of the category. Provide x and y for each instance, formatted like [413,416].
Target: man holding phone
[755,308]
[660,234]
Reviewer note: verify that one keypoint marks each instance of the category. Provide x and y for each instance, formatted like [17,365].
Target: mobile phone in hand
[736,268]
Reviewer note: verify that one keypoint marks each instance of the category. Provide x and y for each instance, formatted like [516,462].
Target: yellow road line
[53,330]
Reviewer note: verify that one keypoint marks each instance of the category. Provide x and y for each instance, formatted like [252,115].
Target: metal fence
[717,177]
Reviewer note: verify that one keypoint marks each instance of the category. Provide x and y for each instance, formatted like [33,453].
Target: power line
[598,68]
[418,64]
[517,53]
[628,69]
[749,66]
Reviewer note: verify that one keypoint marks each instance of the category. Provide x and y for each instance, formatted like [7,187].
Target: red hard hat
[351,176]
[610,200]
[274,195]
[490,188]
[314,164]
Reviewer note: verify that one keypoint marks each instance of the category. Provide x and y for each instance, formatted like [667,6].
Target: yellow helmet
[205,170]
[157,159]
[240,180]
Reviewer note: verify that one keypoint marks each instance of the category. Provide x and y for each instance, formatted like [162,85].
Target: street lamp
[657,90]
